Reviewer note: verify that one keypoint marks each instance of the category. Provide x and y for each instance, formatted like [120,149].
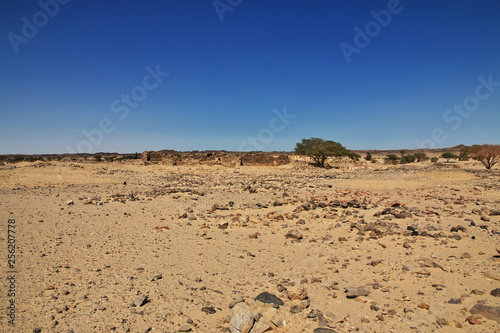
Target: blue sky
[247,75]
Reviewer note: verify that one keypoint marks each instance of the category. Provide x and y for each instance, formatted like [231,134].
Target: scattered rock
[141,300]
[299,293]
[442,322]
[473,321]
[490,312]
[269,298]
[495,292]
[242,320]
[424,306]
[208,309]
[299,305]
[293,234]
[323,330]
[353,292]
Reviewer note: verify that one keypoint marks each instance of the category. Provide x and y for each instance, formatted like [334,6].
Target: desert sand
[128,247]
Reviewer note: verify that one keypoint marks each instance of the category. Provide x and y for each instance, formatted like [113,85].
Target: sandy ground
[104,247]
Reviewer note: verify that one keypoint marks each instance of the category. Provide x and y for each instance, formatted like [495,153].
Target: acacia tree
[319,150]
[449,156]
[488,155]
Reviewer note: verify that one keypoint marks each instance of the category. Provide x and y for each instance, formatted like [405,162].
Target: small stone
[242,320]
[141,300]
[87,201]
[208,309]
[269,298]
[185,328]
[403,215]
[70,202]
[223,225]
[490,312]
[466,255]
[455,301]
[495,292]
[323,330]
[299,293]
[353,292]
[365,320]
[424,306]
[293,234]
[299,305]
[442,322]
[473,321]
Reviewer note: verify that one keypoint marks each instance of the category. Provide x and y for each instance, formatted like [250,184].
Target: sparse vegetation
[408,159]
[434,159]
[369,156]
[449,156]
[319,150]
[464,154]
[421,157]
[353,156]
[488,155]
[392,159]
[98,158]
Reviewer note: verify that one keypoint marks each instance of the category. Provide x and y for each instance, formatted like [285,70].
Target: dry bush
[488,155]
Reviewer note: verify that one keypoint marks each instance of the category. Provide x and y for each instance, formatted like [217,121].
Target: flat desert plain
[128,247]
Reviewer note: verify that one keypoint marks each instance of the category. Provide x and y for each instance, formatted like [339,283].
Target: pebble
[141,300]
[424,306]
[323,330]
[293,234]
[353,292]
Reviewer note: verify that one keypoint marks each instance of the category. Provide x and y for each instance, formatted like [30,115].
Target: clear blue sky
[229,67]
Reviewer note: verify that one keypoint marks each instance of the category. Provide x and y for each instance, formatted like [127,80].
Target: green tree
[408,158]
[449,156]
[464,154]
[98,158]
[353,156]
[421,157]
[369,156]
[434,159]
[391,159]
[319,150]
